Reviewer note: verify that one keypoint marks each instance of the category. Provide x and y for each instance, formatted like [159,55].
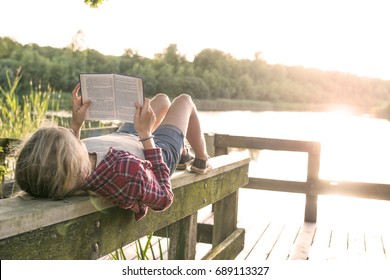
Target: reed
[141,250]
[19,116]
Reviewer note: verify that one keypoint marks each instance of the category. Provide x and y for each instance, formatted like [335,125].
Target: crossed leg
[160,104]
[183,114]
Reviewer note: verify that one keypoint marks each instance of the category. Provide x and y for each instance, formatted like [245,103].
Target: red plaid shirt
[132,183]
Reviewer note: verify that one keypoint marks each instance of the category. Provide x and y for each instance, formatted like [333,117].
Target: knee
[186,98]
[163,99]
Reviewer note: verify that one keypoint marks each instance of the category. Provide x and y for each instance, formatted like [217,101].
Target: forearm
[144,120]
[79,110]
[76,129]
[157,193]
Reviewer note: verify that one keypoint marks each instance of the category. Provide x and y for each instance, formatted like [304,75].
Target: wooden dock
[288,220]
[346,229]
[270,219]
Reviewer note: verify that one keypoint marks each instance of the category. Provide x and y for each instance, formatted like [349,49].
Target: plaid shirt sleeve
[132,183]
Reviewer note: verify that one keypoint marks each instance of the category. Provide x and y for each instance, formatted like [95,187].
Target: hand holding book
[144,119]
[79,110]
[113,96]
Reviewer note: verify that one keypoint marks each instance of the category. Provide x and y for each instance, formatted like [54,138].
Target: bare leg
[160,104]
[183,114]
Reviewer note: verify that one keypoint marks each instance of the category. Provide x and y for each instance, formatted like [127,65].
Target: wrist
[75,125]
[143,139]
[143,135]
[75,130]
[148,143]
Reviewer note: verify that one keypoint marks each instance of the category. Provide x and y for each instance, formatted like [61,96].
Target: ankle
[204,157]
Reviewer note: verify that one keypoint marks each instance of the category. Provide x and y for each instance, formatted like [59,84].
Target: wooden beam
[205,233]
[225,218]
[276,185]
[225,141]
[311,208]
[229,248]
[81,228]
[313,170]
[18,215]
[182,238]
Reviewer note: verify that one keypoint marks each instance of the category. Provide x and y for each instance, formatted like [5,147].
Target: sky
[337,35]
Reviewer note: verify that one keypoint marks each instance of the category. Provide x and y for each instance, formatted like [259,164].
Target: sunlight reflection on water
[353,148]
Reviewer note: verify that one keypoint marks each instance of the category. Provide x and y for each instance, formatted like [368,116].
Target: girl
[131,167]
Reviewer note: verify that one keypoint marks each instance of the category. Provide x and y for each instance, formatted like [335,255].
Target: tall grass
[21,115]
[142,250]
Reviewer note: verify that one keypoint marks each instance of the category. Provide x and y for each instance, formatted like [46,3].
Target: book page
[128,91]
[100,89]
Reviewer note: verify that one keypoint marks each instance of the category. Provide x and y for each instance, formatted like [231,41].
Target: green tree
[172,57]
[193,86]
[94,3]
[7,46]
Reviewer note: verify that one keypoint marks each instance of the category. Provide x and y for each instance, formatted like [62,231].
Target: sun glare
[354,148]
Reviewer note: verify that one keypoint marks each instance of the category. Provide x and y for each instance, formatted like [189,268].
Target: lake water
[353,148]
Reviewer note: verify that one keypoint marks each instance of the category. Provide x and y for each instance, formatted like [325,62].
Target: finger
[76,90]
[85,106]
[146,103]
[137,111]
[76,100]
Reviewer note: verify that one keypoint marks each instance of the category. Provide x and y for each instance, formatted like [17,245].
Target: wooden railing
[89,227]
[313,186]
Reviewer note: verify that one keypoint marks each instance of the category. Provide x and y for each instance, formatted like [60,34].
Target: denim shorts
[167,137]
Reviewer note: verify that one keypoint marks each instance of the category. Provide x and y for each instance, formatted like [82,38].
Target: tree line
[212,74]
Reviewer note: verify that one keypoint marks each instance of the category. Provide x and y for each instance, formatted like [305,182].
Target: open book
[113,96]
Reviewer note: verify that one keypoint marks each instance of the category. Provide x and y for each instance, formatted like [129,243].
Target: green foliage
[141,250]
[21,115]
[118,255]
[213,74]
[93,3]
[3,169]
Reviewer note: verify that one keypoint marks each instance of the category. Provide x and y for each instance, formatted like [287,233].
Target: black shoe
[201,166]
[185,160]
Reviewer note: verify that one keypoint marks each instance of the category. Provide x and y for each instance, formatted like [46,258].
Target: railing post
[225,218]
[313,168]
[218,148]
[209,138]
[182,235]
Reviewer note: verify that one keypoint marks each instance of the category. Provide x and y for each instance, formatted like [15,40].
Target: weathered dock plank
[83,227]
[283,247]
[338,243]
[266,242]
[303,242]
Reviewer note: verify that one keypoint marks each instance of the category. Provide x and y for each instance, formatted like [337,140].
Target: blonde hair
[51,163]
